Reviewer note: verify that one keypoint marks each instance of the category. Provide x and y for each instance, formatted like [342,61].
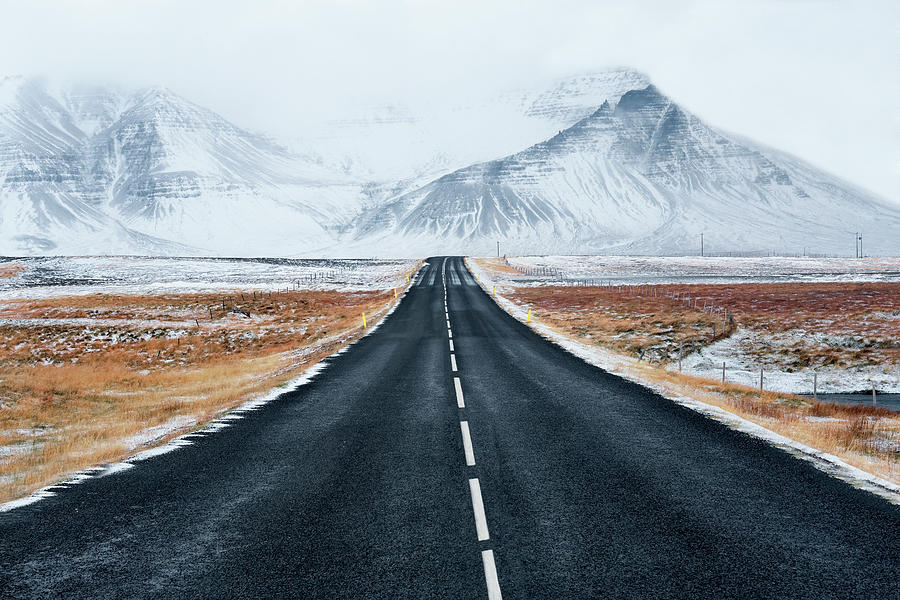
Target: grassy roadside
[87,380]
[625,329]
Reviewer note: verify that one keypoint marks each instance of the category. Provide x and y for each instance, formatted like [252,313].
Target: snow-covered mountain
[88,172]
[399,143]
[44,198]
[640,175]
[609,165]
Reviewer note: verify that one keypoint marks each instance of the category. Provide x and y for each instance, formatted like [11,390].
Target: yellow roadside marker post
[529,316]
[364,319]
[395,292]
[494,291]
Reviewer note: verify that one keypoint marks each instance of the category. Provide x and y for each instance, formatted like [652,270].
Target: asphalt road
[364,484]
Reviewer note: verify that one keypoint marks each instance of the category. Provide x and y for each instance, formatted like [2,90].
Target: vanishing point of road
[453,453]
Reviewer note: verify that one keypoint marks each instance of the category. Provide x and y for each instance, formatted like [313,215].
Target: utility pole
[498,248]
[856,243]
[701,244]
[861,254]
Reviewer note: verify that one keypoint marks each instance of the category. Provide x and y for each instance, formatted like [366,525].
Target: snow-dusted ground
[52,276]
[741,369]
[695,269]
[627,367]
[357,274]
[739,366]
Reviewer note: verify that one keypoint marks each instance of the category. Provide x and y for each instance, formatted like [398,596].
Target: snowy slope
[98,170]
[609,165]
[45,206]
[640,176]
[397,142]
[93,171]
[173,168]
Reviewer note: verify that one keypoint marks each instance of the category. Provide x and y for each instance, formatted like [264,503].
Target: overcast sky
[817,78]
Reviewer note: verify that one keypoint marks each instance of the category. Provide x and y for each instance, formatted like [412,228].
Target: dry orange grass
[862,319]
[79,393]
[652,327]
[11,270]
[863,436]
[496,264]
[655,328]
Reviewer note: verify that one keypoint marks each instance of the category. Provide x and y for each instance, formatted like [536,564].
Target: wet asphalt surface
[355,485]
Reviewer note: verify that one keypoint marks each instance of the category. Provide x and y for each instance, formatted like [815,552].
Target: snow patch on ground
[625,367]
[569,270]
[742,364]
[156,433]
[70,276]
[742,369]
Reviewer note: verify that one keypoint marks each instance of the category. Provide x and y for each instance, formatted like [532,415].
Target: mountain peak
[635,100]
[162,105]
[622,73]
[159,95]
[571,99]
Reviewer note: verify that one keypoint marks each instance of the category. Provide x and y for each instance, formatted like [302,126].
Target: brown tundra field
[841,327]
[90,379]
[865,317]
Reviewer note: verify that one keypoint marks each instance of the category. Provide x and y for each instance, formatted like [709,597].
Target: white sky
[818,78]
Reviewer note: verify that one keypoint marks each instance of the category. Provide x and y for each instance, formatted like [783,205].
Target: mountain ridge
[654,171]
[607,170]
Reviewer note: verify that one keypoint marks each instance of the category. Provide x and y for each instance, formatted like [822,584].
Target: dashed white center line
[481,528]
[478,506]
[490,575]
[467,443]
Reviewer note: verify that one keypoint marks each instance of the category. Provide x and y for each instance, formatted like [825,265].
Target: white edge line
[453,362]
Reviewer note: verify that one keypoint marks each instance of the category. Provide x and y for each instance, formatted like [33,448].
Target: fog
[816,78]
